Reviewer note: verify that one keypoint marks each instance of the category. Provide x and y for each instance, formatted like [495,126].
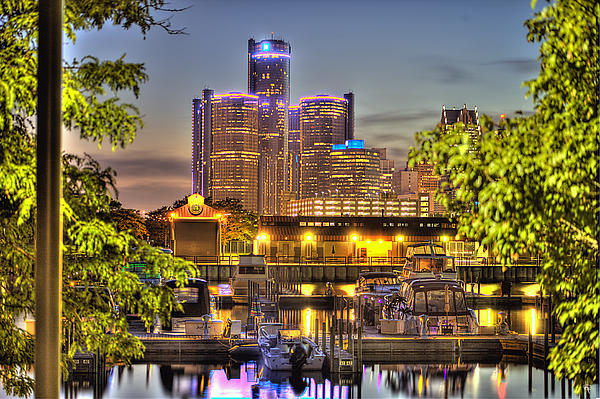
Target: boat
[428,260]
[287,349]
[250,268]
[373,287]
[437,304]
[196,318]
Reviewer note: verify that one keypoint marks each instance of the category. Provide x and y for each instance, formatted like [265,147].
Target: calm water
[250,380]
[520,320]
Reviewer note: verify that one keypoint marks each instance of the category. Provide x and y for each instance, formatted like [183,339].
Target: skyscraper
[322,123]
[201,143]
[235,148]
[468,117]
[294,151]
[350,119]
[269,79]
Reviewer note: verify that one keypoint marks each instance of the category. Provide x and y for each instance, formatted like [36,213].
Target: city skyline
[476,55]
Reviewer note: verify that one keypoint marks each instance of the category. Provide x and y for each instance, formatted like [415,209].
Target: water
[520,320]
[250,380]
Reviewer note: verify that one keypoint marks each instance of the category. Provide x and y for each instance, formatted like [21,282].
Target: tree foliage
[531,185]
[96,288]
[238,223]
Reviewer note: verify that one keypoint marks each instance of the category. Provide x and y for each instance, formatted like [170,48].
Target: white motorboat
[287,349]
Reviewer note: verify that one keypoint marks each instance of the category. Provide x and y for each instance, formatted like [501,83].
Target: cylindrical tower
[235,148]
[322,123]
[269,79]
[294,148]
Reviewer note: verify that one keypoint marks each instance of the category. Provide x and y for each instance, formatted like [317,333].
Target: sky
[403,59]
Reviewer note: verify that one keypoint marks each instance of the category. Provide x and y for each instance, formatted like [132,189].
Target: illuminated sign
[196,204]
[266,46]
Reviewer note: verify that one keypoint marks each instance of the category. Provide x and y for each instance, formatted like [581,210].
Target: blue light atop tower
[355,144]
[266,46]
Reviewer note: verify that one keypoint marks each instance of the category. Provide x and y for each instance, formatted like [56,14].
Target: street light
[400,239]
[308,238]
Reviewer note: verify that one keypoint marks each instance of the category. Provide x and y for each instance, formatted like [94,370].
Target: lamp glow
[400,238]
[354,238]
[308,237]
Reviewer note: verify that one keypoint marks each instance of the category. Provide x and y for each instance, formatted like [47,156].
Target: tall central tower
[269,79]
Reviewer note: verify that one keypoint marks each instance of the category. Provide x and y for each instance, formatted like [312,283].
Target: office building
[343,206]
[269,79]
[354,170]
[322,124]
[428,181]
[235,148]
[350,118]
[386,170]
[468,117]
[201,143]
[294,150]
[405,181]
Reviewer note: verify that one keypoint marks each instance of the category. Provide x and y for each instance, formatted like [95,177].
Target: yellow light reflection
[489,317]
[533,319]
[531,289]
[347,288]
[307,289]
[307,316]
[420,385]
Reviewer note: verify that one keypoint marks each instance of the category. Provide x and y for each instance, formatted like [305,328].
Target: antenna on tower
[272,33]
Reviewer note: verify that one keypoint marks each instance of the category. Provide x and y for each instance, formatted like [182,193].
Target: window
[419,303]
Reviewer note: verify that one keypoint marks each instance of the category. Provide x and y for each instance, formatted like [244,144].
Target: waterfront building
[343,206]
[235,148]
[201,143]
[269,79]
[405,181]
[294,150]
[354,170]
[322,124]
[310,237]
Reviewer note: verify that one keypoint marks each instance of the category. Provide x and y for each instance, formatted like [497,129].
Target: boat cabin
[428,260]
[194,298]
[377,281]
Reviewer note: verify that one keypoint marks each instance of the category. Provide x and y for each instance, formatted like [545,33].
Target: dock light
[381,241]
[400,238]
[173,214]
[444,238]
[218,215]
[368,241]
[354,238]
[308,237]
[262,237]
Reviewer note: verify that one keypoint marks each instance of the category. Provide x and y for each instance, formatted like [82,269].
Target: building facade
[405,181]
[306,237]
[235,148]
[322,123]
[350,118]
[468,117]
[269,79]
[343,206]
[294,151]
[354,171]
[201,142]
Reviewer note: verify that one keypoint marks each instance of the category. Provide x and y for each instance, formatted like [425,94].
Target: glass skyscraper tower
[269,79]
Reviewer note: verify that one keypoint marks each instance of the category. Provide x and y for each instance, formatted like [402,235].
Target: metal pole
[48,264]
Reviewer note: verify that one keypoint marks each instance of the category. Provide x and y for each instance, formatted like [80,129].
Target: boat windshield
[186,294]
[434,265]
[382,280]
[251,269]
[439,301]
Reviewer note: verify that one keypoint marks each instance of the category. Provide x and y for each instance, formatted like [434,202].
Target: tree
[96,288]
[239,223]
[126,219]
[532,184]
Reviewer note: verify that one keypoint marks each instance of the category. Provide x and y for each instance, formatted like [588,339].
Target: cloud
[518,65]
[396,117]
[448,74]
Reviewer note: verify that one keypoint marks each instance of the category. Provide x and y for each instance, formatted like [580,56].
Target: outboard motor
[298,356]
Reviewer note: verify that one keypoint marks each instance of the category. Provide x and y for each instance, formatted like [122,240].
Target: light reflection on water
[250,380]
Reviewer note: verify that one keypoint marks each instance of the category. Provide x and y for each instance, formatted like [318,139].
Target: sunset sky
[402,59]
